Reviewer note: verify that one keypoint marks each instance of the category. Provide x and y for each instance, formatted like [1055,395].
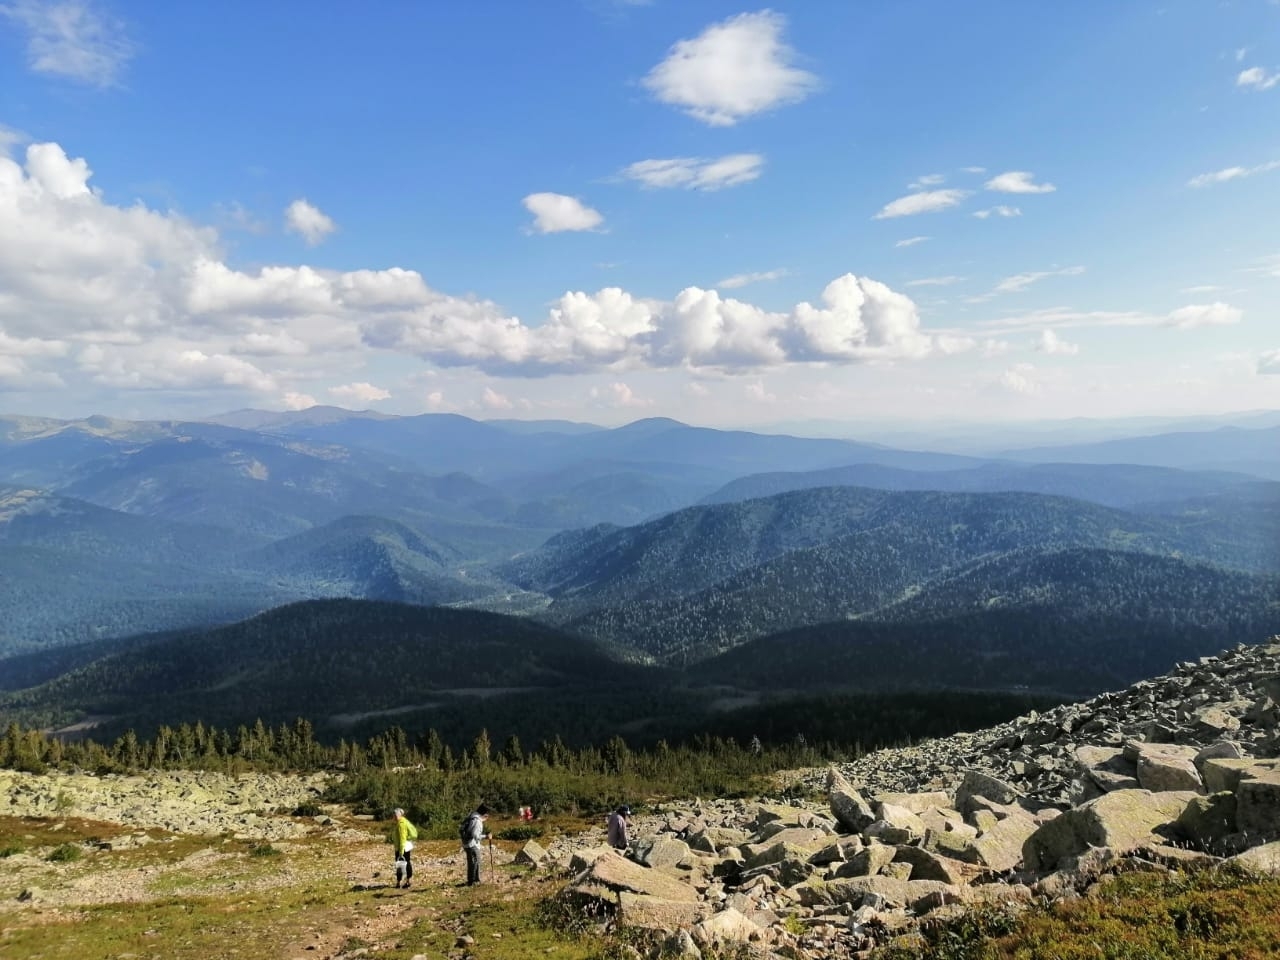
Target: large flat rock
[617,873]
[1122,820]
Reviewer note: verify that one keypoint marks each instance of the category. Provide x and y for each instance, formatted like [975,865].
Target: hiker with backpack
[618,837]
[471,833]
[403,835]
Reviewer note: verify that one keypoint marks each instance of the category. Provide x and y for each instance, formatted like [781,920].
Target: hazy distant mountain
[987,439]
[544,426]
[1108,484]
[446,442]
[269,420]
[1255,451]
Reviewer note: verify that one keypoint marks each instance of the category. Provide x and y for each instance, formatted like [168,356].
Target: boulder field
[1181,769]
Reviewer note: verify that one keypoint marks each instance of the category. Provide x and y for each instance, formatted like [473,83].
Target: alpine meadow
[639,480]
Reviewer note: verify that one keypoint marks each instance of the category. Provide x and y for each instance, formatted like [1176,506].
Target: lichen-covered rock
[647,912]
[615,872]
[531,854]
[1258,807]
[727,926]
[1122,821]
[1209,822]
[848,806]
[1263,861]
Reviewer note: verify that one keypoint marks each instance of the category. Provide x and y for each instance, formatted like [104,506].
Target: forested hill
[845,580]
[693,549]
[705,579]
[321,658]
[1071,622]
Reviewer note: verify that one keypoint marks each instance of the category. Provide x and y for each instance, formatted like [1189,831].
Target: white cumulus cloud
[696,173]
[360,392]
[72,39]
[309,221]
[1049,342]
[557,213]
[1018,181]
[924,202]
[132,299]
[732,70]
[298,401]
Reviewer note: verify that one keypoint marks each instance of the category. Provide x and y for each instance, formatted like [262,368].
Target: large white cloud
[127,298]
[733,69]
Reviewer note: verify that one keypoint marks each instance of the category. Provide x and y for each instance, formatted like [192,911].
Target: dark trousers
[473,864]
[407,856]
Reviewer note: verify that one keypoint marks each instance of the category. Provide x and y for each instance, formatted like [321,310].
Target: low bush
[66,853]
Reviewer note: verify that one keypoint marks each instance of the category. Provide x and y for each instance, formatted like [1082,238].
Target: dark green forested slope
[850,580]
[321,658]
[692,549]
[704,579]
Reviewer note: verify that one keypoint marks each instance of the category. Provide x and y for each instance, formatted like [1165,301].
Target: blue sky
[602,210]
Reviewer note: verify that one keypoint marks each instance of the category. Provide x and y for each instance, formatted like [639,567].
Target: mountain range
[816,562]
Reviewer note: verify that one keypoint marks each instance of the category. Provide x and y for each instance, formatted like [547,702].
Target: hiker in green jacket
[404,833]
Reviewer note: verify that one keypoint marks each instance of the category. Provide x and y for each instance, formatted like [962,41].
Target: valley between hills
[857,695]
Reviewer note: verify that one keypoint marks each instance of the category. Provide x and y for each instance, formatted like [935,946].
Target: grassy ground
[325,895]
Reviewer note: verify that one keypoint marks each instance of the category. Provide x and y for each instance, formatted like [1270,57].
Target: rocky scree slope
[1175,771]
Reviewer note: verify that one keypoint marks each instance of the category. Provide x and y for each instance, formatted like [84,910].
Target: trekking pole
[492,870]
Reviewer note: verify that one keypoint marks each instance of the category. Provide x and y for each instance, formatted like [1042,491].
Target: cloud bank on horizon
[111,301]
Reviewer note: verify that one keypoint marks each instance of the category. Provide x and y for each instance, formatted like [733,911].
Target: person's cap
[624,810]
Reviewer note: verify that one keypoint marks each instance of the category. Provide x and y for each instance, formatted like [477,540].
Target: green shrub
[524,831]
[10,850]
[263,850]
[307,809]
[66,853]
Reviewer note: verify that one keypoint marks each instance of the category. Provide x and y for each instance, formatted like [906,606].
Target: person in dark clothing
[472,835]
[618,838]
